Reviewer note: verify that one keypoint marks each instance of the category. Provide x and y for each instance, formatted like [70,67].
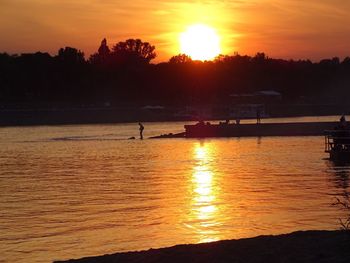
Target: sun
[200,42]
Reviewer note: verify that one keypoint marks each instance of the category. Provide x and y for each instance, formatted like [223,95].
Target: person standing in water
[141,130]
[258,116]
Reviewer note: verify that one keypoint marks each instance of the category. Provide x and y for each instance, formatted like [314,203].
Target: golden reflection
[204,209]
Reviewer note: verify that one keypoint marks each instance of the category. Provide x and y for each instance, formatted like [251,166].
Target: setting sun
[200,42]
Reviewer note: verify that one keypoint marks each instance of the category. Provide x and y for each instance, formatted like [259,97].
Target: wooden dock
[257,130]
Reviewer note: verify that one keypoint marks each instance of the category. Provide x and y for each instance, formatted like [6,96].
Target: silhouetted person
[258,116]
[141,130]
[200,123]
[342,121]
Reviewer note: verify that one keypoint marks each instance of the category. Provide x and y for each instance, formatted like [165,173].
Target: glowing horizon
[288,29]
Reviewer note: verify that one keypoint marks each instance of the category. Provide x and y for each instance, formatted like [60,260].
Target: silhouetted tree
[134,51]
[346,61]
[222,58]
[71,55]
[103,50]
[260,57]
[103,55]
[181,58]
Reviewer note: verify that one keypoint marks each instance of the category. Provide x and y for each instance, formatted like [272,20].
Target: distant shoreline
[302,246]
[78,116]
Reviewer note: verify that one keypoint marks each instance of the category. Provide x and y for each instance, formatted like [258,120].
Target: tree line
[123,75]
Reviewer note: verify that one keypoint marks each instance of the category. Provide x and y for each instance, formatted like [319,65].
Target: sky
[298,29]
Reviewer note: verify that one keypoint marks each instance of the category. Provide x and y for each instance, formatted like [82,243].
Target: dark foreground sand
[308,246]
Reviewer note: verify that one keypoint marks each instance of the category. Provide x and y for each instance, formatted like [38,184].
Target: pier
[202,130]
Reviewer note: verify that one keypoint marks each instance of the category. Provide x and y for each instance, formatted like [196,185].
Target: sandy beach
[303,246]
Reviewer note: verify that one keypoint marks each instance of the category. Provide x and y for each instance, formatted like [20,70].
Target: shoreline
[300,246]
[45,117]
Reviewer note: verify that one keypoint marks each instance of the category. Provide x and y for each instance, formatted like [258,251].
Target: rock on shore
[303,246]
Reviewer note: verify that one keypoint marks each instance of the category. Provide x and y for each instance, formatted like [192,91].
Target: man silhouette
[342,121]
[258,116]
[141,130]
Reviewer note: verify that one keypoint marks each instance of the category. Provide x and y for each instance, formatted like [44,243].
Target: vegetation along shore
[303,246]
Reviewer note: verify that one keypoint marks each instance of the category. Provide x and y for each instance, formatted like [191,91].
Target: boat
[337,144]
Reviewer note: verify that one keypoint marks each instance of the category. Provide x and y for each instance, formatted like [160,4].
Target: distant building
[248,104]
[260,97]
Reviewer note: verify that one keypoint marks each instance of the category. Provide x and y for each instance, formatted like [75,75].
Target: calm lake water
[74,191]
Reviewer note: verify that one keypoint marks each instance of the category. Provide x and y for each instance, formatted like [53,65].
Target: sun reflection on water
[204,196]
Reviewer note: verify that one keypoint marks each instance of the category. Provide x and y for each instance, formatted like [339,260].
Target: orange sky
[286,28]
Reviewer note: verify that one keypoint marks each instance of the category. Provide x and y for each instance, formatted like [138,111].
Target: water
[74,191]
